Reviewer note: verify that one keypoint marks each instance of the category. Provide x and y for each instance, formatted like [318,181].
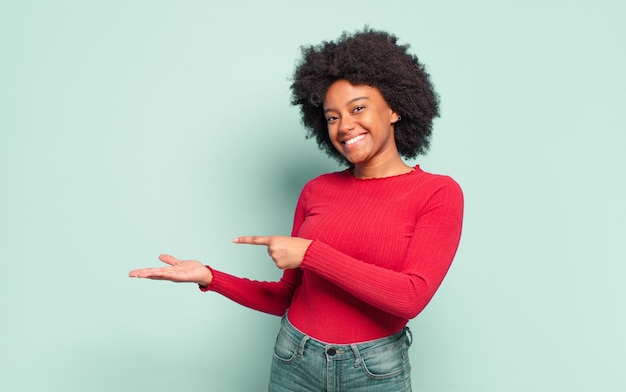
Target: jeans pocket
[386,364]
[286,348]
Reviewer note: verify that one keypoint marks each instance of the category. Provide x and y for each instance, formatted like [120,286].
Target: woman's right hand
[178,271]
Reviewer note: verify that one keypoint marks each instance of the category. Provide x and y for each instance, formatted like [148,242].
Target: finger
[253,240]
[146,273]
[171,260]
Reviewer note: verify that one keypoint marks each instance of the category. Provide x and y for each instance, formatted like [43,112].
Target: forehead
[342,92]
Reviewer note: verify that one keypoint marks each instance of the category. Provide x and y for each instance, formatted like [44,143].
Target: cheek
[332,132]
[332,136]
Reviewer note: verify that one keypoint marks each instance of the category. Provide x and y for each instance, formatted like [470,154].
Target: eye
[331,119]
[358,109]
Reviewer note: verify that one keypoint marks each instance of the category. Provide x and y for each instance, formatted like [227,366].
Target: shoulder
[328,179]
[436,180]
[322,185]
[436,185]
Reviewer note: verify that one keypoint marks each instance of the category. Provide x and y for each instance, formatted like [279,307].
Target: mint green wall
[131,128]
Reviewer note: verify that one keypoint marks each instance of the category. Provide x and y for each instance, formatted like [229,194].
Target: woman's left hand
[287,252]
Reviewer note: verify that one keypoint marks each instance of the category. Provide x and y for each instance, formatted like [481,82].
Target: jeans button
[331,351]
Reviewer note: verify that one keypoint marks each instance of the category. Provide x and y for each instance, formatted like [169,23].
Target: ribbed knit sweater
[380,249]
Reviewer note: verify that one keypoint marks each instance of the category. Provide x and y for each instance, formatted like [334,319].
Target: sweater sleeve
[268,297]
[404,293]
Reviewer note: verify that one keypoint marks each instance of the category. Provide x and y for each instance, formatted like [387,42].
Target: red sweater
[380,249]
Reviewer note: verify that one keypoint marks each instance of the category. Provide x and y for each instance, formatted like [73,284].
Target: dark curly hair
[371,58]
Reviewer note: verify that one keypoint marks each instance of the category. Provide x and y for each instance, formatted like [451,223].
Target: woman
[371,244]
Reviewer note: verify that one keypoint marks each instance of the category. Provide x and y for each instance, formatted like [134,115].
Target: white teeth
[354,139]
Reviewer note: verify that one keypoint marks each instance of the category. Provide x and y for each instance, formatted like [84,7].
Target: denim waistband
[344,351]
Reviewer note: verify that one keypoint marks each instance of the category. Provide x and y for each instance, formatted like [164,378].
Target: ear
[395,117]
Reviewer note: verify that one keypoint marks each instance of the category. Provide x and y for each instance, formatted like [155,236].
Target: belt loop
[409,335]
[357,355]
[305,339]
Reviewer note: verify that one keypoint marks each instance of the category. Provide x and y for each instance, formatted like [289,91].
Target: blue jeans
[303,364]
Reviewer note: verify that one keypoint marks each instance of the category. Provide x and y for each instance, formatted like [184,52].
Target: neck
[383,169]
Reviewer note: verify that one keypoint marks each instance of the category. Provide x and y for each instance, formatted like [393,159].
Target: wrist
[206,281]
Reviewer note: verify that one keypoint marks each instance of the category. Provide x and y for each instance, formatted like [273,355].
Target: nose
[346,124]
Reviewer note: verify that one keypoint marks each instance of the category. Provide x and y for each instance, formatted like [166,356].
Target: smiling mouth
[353,140]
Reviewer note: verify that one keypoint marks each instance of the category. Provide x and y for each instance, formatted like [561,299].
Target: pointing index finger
[253,240]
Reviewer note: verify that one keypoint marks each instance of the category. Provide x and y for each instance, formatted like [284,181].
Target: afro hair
[375,59]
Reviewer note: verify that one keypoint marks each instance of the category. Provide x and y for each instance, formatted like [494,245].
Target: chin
[356,160]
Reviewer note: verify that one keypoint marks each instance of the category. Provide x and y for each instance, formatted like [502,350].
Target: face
[360,123]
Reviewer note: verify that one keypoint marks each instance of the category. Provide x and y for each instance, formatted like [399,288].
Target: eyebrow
[348,103]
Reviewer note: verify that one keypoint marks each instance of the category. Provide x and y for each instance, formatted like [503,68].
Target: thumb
[171,260]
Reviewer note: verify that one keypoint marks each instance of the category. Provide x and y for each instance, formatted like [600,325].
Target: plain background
[133,128]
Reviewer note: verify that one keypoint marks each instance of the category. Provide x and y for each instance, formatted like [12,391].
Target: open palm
[178,271]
